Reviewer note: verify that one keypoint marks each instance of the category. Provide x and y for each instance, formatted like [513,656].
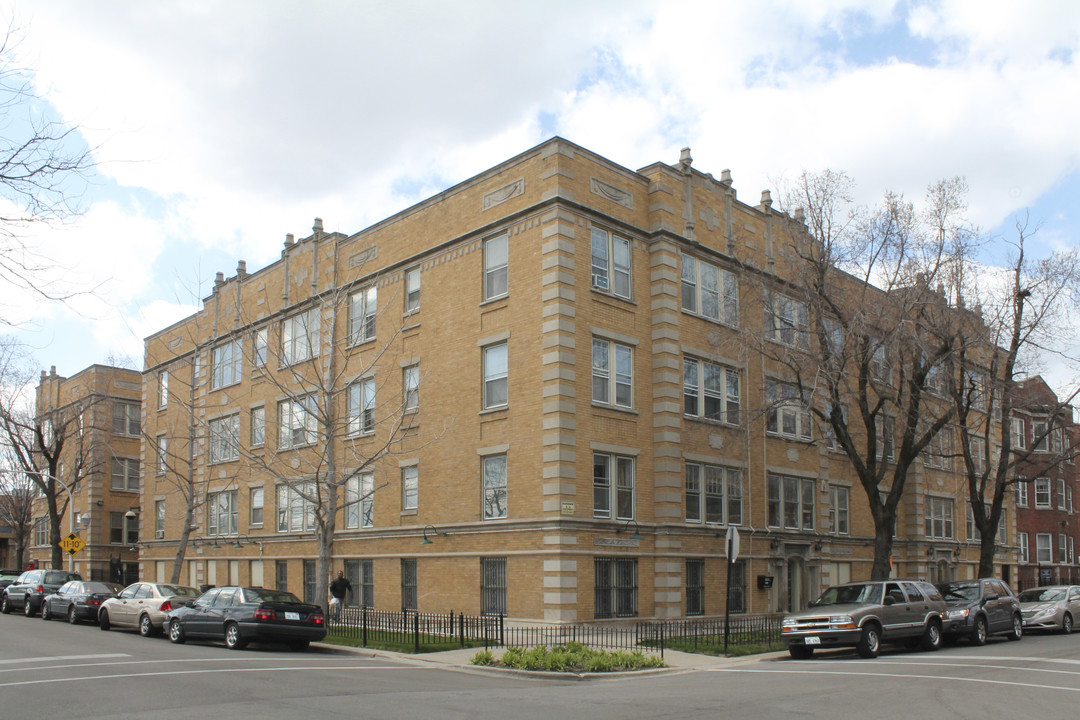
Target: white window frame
[359,503]
[163,389]
[787,321]
[1062,500]
[410,487]
[363,315]
[260,347]
[1024,549]
[699,394]
[787,414]
[159,519]
[1042,493]
[839,509]
[225,364]
[937,452]
[612,382]
[222,510]
[161,454]
[496,370]
[611,263]
[714,494]
[496,267]
[1044,548]
[1021,492]
[412,290]
[256,505]
[709,291]
[297,422]
[127,470]
[939,518]
[225,438]
[300,337]
[1019,437]
[410,382]
[360,407]
[791,493]
[613,486]
[494,485]
[127,419]
[1040,427]
[258,426]
[295,512]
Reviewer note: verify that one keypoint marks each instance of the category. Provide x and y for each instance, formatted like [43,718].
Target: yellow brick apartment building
[537,393]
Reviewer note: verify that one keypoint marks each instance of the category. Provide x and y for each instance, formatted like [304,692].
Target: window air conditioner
[600,281]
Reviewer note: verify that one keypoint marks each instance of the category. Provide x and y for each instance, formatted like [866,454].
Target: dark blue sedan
[239,615]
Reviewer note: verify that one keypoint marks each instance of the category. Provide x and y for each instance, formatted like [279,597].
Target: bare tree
[44,165]
[17,511]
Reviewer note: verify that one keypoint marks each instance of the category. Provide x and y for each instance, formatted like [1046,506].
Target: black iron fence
[445,631]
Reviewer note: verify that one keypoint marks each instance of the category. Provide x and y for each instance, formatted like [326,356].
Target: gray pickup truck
[862,615]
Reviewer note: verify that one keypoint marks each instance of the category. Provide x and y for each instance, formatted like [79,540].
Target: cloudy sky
[218,127]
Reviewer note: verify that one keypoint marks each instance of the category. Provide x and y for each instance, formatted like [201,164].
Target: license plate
[292,615]
[812,640]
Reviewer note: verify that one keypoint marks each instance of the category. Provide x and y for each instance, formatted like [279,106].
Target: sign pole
[732,551]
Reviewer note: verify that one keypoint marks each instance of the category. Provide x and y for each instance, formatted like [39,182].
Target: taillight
[165,606]
[316,618]
[93,601]
[40,589]
[265,615]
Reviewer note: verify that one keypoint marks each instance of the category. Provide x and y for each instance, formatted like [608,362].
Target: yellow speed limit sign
[72,544]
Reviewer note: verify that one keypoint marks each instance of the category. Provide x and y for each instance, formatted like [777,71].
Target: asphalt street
[52,669]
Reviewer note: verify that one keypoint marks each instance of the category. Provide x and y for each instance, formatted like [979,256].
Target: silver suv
[862,615]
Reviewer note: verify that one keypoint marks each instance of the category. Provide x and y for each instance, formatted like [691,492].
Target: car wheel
[5,608]
[1066,624]
[978,633]
[870,642]
[1017,628]
[233,640]
[103,619]
[176,632]
[28,607]
[299,645]
[801,652]
[72,617]
[931,639]
[45,614]
[146,627]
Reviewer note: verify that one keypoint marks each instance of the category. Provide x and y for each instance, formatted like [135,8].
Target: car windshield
[960,591]
[866,593]
[1042,595]
[264,595]
[59,578]
[178,590]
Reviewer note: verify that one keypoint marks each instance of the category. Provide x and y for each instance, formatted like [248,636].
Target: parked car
[78,600]
[239,615]
[144,605]
[1054,607]
[8,576]
[30,589]
[862,615]
[981,608]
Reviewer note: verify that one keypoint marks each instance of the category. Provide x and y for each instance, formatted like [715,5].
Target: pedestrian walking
[339,588]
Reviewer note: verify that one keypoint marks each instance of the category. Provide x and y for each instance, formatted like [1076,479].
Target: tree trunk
[883,542]
[181,545]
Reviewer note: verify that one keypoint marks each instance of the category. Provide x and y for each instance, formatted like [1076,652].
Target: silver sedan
[1054,607]
[143,605]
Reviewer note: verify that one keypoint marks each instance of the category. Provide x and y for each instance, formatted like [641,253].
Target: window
[296,507]
[879,363]
[612,386]
[886,436]
[412,290]
[41,530]
[161,457]
[258,426]
[615,587]
[709,291]
[839,499]
[255,505]
[297,422]
[1021,492]
[309,581]
[495,267]
[125,474]
[1063,548]
[225,439]
[495,376]
[695,587]
[123,530]
[973,531]
[159,519]
[1044,551]
[408,584]
[361,407]
[936,378]
[221,511]
[363,306]
[939,517]
[613,484]
[610,263]
[410,381]
[1022,540]
[787,321]
[737,587]
[937,451]
[975,387]
[710,391]
[281,574]
[978,454]
[787,415]
[494,472]
[409,487]
[1040,434]
[493,586]
[163,389]
[126,418]
[791,502]
[260,347]
[1062,503]
[1042,492]
[1019,437]
[300,337]
[360,573]
[359,503]
[225,364]
[716,490]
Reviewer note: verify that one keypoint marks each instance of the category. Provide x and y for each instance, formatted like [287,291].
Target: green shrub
[484,657]
[571,657]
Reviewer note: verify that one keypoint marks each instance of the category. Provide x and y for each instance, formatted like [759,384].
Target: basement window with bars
[493,586]
[615,588]
[695,587]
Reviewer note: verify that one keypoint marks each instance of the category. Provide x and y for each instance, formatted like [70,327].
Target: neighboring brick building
[558,344]
[99,410]
[1046,520]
